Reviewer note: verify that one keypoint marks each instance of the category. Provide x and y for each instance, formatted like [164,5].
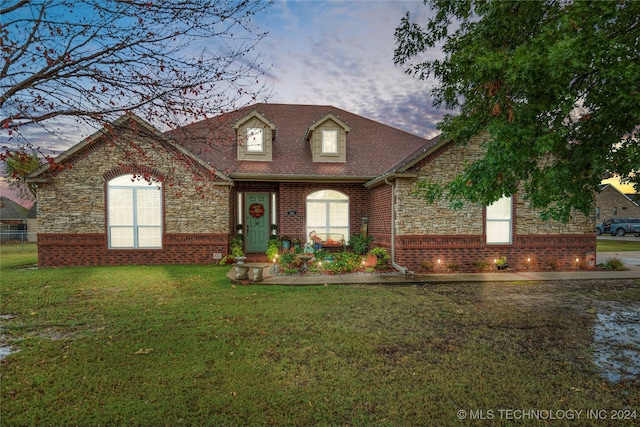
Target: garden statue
[308,247]
[315,242]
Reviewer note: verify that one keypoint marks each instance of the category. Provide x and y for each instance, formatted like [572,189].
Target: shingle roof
[373,148]
[10,210]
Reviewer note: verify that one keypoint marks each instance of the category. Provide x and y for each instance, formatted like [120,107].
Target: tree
[19,164]
[555,84]
[94,60]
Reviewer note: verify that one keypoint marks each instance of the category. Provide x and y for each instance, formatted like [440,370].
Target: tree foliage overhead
[19,164]
[167,61]
[556,85]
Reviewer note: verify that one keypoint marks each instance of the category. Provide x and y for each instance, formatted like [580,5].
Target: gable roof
[630,199]
[10,210]
[372,148]
[329,116]
[89,143]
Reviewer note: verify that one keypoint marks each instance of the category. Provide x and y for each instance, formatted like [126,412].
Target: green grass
[633,244]
[14,255]
[180,345]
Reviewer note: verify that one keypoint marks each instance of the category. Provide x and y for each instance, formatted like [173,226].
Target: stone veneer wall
[435,234]
[72,208]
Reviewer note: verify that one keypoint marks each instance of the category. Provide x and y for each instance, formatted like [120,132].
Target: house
[611,202]
[13,220]
[132,195]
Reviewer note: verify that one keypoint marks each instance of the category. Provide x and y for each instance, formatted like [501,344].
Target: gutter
[401,269]
[265,177]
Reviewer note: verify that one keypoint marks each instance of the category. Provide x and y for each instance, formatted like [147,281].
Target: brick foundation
[74,250]
[533,253]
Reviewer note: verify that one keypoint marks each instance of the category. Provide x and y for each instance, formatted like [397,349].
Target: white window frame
[499,222]
[326,140]
[327,227]
[134,219]
[255,140]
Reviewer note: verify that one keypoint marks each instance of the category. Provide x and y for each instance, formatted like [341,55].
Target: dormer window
[327,137]
[255,135]
[329,142]
[255,140]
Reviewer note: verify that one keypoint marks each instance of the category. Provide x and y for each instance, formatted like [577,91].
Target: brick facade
[73,250]
[612,203]
[292,196]
[379,206]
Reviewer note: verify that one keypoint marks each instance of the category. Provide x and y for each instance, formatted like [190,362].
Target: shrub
[287,260]
[344,262]
[453,266]
[360,243]
[615,263]
[427,266]
[553,265]
[482,265]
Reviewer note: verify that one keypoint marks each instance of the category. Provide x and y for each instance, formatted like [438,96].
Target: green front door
[256,219]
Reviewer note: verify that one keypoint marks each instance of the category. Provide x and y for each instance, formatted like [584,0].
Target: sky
[340,53]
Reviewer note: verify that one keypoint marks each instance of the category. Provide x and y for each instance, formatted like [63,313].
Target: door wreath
[256,210]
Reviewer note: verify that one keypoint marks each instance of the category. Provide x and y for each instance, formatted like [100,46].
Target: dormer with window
[255,135]
[328,139]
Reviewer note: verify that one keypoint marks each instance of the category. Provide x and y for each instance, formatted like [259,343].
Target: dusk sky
[340,53]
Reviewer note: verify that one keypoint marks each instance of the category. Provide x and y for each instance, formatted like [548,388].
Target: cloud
[322,52]
[341,53]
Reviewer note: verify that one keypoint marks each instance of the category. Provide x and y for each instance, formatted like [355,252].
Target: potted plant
[272,249]
[296,242]
[381,255]
[236,250]
[501,263]
[286,242]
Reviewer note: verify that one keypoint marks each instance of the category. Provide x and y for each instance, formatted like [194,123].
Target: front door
[256,222]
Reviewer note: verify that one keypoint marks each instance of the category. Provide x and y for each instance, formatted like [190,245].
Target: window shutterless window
[255,140]
[134,213]
[499,219]
[329,141]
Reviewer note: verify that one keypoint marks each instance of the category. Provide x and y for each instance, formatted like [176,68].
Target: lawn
[632,244]
[180,345]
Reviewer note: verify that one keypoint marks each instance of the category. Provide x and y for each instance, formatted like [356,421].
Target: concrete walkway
[630,259]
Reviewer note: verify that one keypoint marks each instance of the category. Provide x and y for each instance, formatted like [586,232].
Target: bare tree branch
[97,59]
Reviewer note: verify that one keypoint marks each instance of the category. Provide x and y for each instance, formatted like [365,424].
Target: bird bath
[305,259]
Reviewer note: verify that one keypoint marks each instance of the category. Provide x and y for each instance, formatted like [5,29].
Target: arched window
[134,213]
[328,212]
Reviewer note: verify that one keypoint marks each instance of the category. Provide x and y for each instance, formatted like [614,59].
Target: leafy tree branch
[556,85]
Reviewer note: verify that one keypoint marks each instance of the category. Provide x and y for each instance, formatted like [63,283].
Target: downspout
[395,265]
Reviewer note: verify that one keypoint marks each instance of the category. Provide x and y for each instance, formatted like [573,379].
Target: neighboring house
[611,202]
[13,220]
[32,224]
[303,168]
